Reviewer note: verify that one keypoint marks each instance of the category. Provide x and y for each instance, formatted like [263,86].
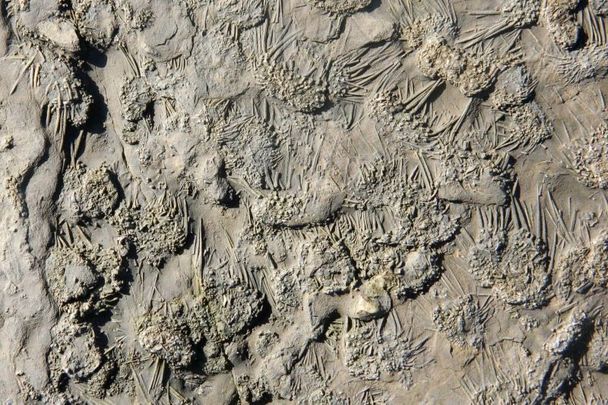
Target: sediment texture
[303,201]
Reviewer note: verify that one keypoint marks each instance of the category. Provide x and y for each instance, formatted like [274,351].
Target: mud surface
[303,201]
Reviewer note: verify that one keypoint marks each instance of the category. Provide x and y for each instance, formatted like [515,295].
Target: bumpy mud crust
[303,202]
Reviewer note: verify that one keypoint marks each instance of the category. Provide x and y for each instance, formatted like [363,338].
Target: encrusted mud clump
[85,278]
[475,177]
[157,229]
[462,321]
[561,22]
[167,337]
[329,264]
[242,15]
[340,7]
[240,307]
[506,260]
[588,158]
[136,98]
[70,275]
[470,73]
[521,14]
[394,119]
[89,194]
[421,218]
[95,22]
[514,88]
[298,209]
[279,80]
[420,269]
[529,126]
[303,202]
[74,350]
[582,268]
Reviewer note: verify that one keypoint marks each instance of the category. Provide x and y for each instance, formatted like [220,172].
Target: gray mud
[303,201]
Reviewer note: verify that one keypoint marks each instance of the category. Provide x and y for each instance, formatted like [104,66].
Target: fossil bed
[303,201]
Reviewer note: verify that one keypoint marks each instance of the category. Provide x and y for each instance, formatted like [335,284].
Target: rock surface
[303,202]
